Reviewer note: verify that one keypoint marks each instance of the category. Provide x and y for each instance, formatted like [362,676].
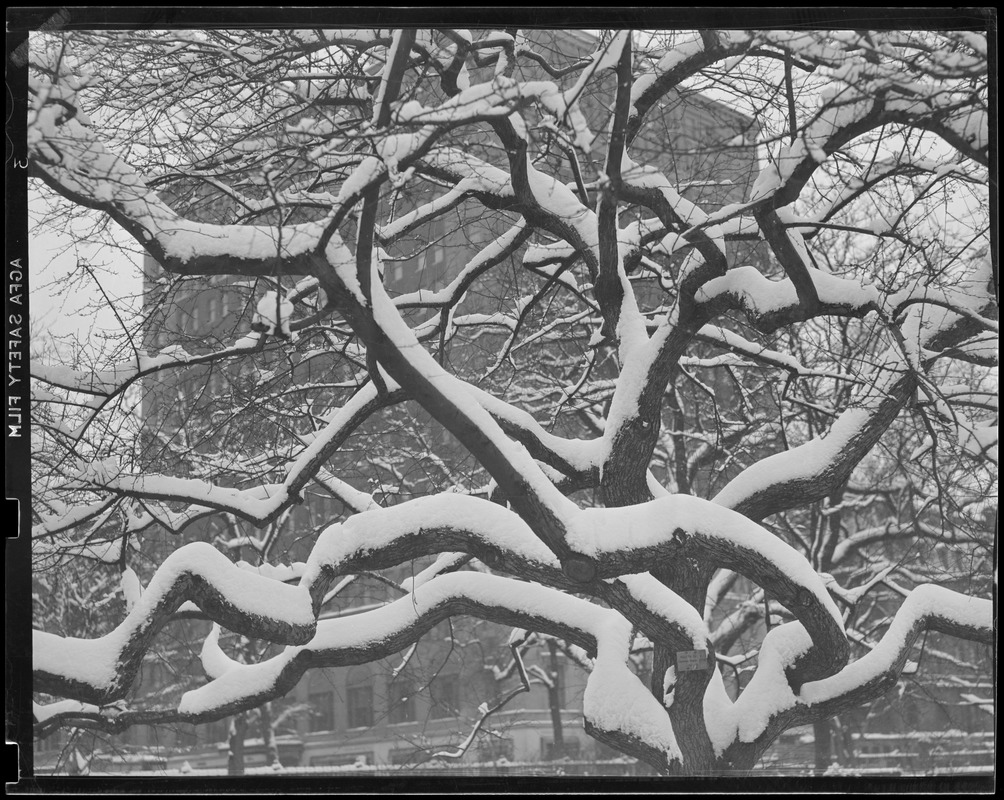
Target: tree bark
[268,735]
[235,755]
[554,700]
[823,749]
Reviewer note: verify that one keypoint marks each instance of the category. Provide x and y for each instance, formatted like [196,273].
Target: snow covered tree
[596,368]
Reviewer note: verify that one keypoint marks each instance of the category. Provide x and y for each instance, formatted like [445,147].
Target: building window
[492,748]
[445,691]
[53,741]
[322,711]
[401,699]
[218,731]
[187,736]
[438,255]
[360,706]
[342,760]
[570,749]
[411,755]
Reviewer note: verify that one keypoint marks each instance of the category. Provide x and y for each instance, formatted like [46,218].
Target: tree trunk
[235,756]
[824,752]
[686,706]
[554,700]
[268,736]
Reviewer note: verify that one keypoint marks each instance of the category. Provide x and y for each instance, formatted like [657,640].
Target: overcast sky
[66,301]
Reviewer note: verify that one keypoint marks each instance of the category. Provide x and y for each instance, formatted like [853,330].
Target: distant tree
[620,392]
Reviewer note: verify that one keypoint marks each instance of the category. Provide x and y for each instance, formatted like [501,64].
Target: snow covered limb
[107,383]
[102,670]
[814,468]
[928,607]
[641,336]
[627,712]
[756,716]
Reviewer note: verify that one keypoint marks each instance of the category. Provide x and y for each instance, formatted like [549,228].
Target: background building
[405,710]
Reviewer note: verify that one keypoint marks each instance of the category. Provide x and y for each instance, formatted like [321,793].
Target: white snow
[761,295]
[42,712]
[666,603]
[389,319]
[719,714]
[378,529]
[95,661]
[362,176]
[676,55]
[767,182]
[132,589]
[768,691]
[799,462]
[274,312]
[596,531]
[443,562]
[214,661]
[669,687]
[614,698]
[582,454]
[560,200]
[924,601]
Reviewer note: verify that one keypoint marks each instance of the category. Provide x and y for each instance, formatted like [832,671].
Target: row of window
[434,257]
[488,748]
[204,314]
[361,706]
[217,308]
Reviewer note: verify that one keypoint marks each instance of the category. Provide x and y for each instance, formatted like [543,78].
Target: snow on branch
[101,670]
[764,300]
[261,503]
[927,607]
[812,469]
[88,173]
[531,492]
[65,518]
[768,700]
[109,382]
[682,60]
[861,99]
[615,700]
[576,455]
[426,525]
[664,615]
[682,525]
[489,256]
[592,395]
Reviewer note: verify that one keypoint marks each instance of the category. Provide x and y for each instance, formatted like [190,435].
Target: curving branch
[99,671]
[927,607]
[310,143]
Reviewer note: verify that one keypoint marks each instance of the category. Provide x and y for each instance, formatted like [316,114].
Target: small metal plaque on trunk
[688,660]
